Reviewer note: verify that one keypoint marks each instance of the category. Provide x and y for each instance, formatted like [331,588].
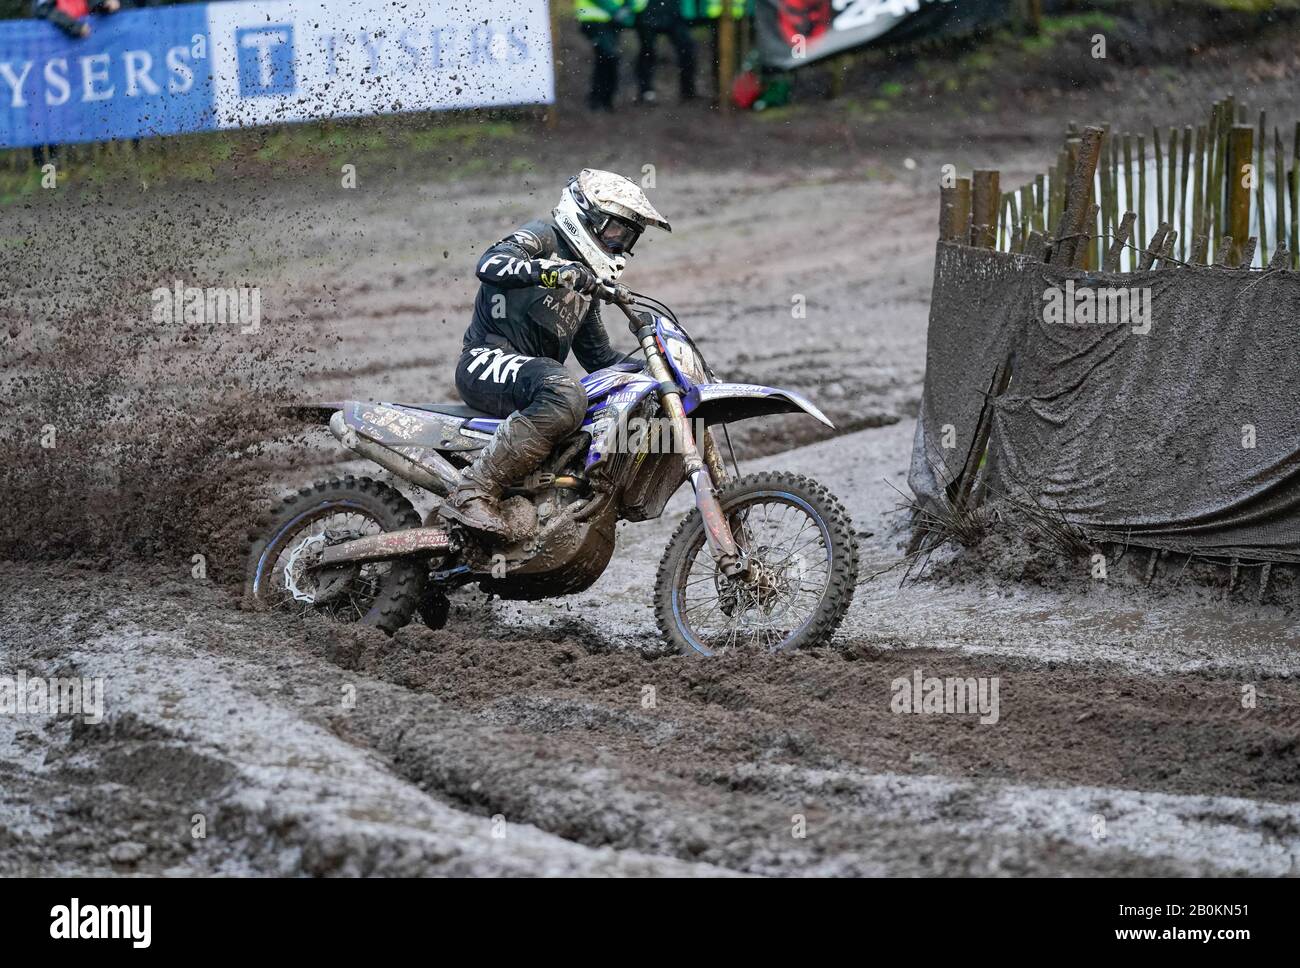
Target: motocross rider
[534,304]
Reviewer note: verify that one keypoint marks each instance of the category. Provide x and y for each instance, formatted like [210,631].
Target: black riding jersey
[516,307]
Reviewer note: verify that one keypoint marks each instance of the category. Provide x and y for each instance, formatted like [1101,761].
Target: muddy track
[561,737]
[554,732]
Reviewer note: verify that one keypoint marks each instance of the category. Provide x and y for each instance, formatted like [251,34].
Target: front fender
[726,402]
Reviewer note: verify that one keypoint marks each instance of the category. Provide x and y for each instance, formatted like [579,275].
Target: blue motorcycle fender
[727,402]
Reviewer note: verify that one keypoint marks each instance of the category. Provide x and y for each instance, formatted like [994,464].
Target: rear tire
[834,555]
[390,598]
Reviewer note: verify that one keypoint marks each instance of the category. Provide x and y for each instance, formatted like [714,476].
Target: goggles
[617,235]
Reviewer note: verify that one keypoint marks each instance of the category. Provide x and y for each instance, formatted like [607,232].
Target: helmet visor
[618,235]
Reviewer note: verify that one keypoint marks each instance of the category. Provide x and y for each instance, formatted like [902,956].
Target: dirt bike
[767,560]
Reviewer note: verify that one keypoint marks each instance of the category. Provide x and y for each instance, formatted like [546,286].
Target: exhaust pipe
[438,475]
[390,544]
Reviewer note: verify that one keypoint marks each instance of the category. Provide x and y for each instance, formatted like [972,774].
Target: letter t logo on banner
[265,60]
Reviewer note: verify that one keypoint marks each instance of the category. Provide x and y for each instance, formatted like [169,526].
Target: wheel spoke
[780,591]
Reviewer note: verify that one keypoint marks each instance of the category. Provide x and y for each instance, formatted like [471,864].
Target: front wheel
[801,567]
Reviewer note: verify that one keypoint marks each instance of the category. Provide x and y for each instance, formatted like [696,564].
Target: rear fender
[393,425]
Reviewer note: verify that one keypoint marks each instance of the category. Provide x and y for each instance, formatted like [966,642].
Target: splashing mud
[136,422]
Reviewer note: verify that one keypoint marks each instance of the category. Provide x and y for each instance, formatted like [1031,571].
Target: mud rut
[519,740]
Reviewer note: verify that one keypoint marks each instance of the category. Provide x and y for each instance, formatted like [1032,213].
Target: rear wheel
[801,559]
[382,594]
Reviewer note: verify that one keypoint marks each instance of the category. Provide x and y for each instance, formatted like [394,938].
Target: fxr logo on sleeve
[501,366]
[102,921]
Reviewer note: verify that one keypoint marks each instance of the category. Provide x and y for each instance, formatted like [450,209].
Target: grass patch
[464,142]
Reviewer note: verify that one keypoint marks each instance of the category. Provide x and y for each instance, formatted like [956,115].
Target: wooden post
[1160,180]
[1056,199]
[1279,193]
[1111,148]
[726,56]
[985,199]
[1129,204]
[1078,205]
[1083,253]
[1293,183]
[552,116]
[1167,252]
[1039,222]
[960,226]
[1259,187]
[1221,174]
[947,214]
[1122,234]
[1198,183]
[1027,212]
[1225,251]
[1141,208]
[1212,191]
[1036,246]
[1240,151]
[1156,246]
[1182,184]
[1108,187]
[1171,200]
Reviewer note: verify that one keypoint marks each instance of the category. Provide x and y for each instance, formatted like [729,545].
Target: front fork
[704,467]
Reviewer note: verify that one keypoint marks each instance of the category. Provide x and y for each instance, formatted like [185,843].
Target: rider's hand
[575,276]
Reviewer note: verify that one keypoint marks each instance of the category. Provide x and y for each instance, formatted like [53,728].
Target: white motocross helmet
[602,214]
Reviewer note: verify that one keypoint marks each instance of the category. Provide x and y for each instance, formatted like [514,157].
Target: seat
[453,410]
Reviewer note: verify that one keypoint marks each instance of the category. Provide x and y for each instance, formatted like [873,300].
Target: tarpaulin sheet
[1184,437]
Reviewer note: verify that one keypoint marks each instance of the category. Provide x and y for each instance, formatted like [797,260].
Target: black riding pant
[500,381]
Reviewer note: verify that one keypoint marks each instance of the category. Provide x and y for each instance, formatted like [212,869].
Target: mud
[136,424]
[1140,729]
[244,719]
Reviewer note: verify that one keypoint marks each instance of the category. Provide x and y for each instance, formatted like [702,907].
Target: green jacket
[602,11]
[598,11]
[712,9]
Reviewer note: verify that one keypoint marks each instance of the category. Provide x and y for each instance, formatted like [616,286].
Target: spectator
[657,17]
[70,15]
[600,21]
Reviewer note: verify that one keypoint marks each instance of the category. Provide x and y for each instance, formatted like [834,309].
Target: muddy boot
[516,449]
[476,509]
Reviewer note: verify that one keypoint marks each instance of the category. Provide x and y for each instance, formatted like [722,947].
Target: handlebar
[620,296]
[612,292]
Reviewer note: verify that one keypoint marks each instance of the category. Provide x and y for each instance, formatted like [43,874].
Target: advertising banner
[201,67]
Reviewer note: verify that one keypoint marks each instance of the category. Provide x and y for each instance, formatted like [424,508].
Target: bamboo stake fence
[1215,193]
